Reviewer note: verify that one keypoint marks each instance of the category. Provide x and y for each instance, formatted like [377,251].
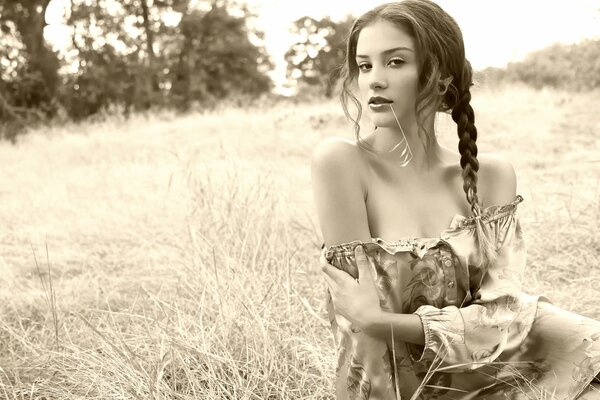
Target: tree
[29,85]
[215,58]
[150,46]
[316,57]
[115,56]
[123,52]
[563,66]
[207,56]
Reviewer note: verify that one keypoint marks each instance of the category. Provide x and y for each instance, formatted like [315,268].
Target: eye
[396,61]
[363,67]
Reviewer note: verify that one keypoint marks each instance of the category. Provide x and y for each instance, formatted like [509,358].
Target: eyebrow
[387,51]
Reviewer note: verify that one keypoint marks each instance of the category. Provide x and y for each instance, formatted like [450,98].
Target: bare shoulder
[497,180]
[336,156]
[338,192]
[334,150]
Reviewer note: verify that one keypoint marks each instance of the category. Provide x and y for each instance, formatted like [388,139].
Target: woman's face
[388,69]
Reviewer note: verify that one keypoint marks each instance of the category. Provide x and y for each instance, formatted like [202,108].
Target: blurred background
[72,59]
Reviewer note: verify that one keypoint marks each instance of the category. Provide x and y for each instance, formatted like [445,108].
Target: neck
[423,158]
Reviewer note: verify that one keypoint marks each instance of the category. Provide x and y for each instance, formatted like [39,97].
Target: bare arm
[358,301]
[339,199]
[338,193]
[405,327]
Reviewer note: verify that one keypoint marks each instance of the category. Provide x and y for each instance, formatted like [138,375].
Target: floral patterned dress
[484,338]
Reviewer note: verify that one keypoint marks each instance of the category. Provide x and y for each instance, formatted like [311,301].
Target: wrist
[373,324]
[405,327]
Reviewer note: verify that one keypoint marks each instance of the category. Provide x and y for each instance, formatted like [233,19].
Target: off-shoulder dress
[484,337]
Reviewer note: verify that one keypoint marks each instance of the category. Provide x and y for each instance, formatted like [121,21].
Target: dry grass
[177,258]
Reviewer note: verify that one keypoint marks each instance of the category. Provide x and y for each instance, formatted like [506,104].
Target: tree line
[125,53]
[574,67]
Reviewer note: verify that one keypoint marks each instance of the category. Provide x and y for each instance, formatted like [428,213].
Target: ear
[444,84]
[447,81]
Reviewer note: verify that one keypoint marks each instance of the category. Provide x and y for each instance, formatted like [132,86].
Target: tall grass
[169,257]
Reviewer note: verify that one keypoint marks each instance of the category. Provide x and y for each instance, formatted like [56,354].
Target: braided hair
[440,46]
[464,116]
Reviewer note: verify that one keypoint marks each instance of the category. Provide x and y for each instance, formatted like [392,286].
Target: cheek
[407,82]
[363,86]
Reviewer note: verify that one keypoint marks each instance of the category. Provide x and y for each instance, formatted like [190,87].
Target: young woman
[423,251]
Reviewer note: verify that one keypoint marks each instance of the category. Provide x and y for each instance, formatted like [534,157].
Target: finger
[330,282]
[334,273]
[359,253]
[362,263]
[331,285]
[323,259]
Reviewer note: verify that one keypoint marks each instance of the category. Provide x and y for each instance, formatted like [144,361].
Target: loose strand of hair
[345,95]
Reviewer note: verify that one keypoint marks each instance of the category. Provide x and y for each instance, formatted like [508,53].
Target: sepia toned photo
[270,199]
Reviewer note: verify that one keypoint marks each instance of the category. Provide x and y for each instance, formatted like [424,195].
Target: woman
[432,235]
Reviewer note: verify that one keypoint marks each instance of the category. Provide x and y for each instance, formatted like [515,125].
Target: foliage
[104,75]
[316,57]
[223,64]
[570,67]
[124,54]
[29,77]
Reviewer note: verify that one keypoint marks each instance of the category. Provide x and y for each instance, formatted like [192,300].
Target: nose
[378,80]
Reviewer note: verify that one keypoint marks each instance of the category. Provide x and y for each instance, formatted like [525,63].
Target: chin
[383,120]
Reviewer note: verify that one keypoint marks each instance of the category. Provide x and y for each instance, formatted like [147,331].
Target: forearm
[406,327]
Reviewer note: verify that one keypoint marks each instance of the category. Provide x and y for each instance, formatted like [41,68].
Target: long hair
[441,58]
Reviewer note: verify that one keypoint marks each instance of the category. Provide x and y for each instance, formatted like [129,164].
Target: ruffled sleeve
[481,328]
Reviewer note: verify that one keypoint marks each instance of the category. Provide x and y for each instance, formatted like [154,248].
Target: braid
[464,116]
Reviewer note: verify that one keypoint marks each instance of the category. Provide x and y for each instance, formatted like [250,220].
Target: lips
[379,100]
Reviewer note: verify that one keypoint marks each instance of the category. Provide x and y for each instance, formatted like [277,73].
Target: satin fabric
[484,337]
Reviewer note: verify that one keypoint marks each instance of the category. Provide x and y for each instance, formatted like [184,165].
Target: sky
[495,32]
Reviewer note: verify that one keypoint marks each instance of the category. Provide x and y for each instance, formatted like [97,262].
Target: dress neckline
[459,222]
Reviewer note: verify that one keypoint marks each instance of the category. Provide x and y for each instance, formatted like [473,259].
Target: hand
[355,299]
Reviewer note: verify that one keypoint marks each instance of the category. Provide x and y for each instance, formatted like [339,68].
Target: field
[176,257]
